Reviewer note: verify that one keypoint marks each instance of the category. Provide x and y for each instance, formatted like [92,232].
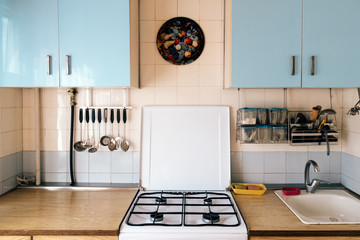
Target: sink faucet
[311,187]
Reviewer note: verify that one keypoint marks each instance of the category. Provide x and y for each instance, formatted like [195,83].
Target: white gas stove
[184,177]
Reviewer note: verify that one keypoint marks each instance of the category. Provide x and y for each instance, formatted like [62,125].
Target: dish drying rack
[305,134]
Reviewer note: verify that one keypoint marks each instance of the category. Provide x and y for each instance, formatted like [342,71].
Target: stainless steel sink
[323,207]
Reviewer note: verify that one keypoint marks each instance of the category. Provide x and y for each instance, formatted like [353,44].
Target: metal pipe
[72,93]
[37,137]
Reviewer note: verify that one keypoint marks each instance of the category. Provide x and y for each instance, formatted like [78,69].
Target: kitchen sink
[323,207]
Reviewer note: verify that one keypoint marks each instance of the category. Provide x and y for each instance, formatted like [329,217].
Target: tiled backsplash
[283,167]
[102,167]
[200,83]
[11,116]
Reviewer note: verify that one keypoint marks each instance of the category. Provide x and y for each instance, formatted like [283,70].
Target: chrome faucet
[311,187]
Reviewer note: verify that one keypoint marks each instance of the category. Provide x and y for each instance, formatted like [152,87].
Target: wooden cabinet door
[265,37]
[94,43]
[332,35]
[29,43]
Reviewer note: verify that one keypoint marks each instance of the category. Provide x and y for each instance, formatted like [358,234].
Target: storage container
[247,116]
[248,134]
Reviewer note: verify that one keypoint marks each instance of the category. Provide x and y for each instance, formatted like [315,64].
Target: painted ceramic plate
[180,41]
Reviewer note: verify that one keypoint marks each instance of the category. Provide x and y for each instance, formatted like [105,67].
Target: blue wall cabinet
[266,34]
[85,43]
[265,43]
[95,42]
[331,41]
[29,43]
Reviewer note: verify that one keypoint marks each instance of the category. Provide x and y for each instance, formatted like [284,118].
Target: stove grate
[155,212]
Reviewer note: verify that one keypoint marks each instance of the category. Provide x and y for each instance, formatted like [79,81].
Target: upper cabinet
[331,41]
[69,43]
[298,43]
[29,43]
[266,43]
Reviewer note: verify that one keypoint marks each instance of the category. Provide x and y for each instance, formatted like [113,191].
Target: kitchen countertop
[96,212]
[64,212]
[267,215]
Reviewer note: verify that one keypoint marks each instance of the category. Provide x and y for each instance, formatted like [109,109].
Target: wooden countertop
[267,215]
[63,212]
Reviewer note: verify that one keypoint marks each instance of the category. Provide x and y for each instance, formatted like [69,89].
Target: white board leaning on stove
[185,148]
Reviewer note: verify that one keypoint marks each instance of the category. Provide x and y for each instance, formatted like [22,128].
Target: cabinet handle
[67,65]
[293,66]
[48,60]
[312,65]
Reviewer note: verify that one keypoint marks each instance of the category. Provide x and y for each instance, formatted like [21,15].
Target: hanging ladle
[94,148]
[125,145]
[112,143]
[118,138]
[80,145]
[87,117]
[105,140]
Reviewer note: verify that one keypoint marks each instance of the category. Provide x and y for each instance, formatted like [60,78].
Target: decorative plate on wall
[180,41]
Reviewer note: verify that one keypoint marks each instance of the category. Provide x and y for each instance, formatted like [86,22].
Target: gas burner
[211,217]
[207,201]
[160,200]
[156,217]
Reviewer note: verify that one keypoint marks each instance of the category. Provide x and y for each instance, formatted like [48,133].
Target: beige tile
[135,119]
[134,139]
[53,119]
[142,97]
[211,9]
[319,96]
[274,98]
[350,123]
[10,97]
[54,140]
[234,144]
[350,97]
[188,75]
[298,99]
[165,75]
[19,118]
[211,75]
[147,32]
[147,76]
[147,9]
[8,143]
[212,54]
[117,96]
[8,119]
[28,118]
[213,31]
[230,97]
[187,96]
[28,140]
[147,53]
[28,97]
[1,152]
[252,98]
[189,9]
[337,97]
[54,97]
[209,95]
[165,96]
[102,96]
[165,9]
[19,140]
